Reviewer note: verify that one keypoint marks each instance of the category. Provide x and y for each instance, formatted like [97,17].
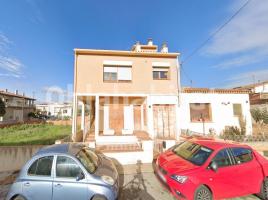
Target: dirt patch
[9,179]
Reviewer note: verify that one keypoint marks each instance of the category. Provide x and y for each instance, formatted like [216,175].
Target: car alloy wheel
[203,193]
[19,198]
[265,189]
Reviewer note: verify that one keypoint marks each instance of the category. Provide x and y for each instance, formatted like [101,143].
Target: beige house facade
[17,107]
[126,93]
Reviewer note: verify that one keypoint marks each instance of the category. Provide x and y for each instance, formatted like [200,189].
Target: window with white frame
[160,73]
[117,73]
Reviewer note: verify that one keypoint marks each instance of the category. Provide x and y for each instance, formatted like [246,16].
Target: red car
[211,169]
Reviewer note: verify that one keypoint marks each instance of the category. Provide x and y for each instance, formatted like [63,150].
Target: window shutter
[124,73]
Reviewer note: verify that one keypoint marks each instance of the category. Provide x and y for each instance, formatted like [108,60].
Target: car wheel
[264,190]
[202,193]
[19,198]
[99,197]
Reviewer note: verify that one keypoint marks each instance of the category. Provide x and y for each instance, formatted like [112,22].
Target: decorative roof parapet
[217,91]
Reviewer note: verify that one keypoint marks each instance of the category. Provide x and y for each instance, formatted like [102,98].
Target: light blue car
[66,172]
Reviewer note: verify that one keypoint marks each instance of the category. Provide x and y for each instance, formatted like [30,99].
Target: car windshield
[194,153]
[88,159]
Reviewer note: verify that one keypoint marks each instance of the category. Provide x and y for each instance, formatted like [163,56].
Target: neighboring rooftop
[217,91]
[252,86]
[16,94]
[138,49]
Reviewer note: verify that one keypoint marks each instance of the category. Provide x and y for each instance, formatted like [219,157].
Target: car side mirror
[213,166]
[80,176]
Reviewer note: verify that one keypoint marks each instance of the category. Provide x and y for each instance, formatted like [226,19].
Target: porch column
[96,116]
[74,128]
[150,117]
[82,116]
[178,127]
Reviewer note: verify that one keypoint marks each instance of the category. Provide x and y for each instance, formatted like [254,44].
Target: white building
[206,110]
[60,110]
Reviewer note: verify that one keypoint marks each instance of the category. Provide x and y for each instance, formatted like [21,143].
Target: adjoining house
[210,111]
[57,110]
[17,106]
[258,94]
[126,103]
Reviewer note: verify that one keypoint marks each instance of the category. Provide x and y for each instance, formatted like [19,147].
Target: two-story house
[124,95]
[17,106]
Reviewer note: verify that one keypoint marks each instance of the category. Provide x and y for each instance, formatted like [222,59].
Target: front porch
[118,125]
[98,116]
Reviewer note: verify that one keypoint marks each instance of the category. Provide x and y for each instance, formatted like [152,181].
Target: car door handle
[58,185]
[27,184]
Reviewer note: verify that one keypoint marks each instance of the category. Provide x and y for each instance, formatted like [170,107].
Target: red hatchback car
[211,169]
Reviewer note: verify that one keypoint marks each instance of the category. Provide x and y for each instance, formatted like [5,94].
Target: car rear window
[242,155]
[41,167]
[89,159]
[193,152]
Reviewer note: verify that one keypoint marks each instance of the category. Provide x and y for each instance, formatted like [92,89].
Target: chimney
[6,90]
[150,42]
[17,92]
[23,94]
[164,48]
[138,46]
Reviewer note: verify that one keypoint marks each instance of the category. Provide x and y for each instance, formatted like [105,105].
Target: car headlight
[180,179]
[107,179]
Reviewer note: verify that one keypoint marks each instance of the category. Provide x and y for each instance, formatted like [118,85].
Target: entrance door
[164,121]
[116,114]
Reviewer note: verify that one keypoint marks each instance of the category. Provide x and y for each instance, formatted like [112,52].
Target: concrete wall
[221,110]
[14,157]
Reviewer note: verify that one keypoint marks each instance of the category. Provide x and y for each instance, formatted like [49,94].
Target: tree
[2,108]
[257,115]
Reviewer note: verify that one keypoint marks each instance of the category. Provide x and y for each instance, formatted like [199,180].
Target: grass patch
[33,134]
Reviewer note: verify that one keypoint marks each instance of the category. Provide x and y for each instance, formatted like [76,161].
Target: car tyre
[19,198]
[99,197]
[264,190]
[202,193]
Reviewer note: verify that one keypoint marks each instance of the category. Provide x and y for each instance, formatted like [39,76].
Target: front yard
[33,134]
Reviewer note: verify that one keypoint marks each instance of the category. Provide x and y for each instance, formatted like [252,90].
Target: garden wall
[12,158]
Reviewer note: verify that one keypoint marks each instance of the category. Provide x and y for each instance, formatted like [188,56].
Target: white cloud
[247,78]
[9,63]
[246,32]
[4,41]
[10,75]
[242,60]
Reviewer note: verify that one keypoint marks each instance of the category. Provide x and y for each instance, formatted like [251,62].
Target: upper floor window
[237,109]
[160,73]
[200,112]
[117,73]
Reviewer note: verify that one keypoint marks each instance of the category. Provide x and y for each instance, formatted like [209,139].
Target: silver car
[66,171]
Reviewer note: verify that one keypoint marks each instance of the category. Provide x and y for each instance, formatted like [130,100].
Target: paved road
[138,182]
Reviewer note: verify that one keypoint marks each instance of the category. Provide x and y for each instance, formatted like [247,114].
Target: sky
[37,38]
